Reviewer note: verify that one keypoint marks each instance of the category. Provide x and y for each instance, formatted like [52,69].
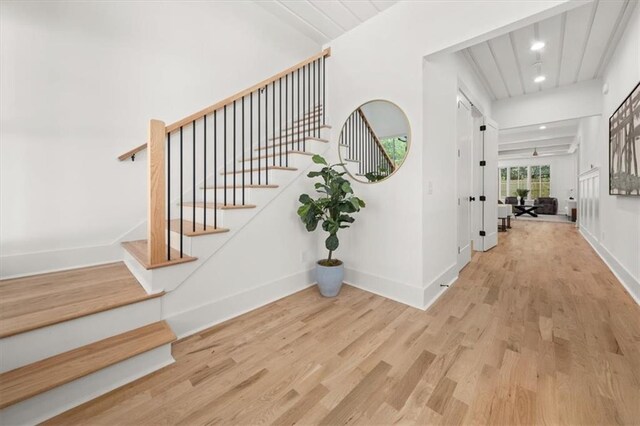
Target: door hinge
[483,198]
[458,201]
[483,163]
[482,233]
[458,250]
[458,153]
[483,128]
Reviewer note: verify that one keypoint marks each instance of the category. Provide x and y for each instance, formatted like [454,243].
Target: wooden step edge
[246,170]
[250,186]
[343,145]
[289,134]
[350,160]
[277,145]
[138,249]
[41,376]
[78,313]
[262,157]
[187,228]
[219,206]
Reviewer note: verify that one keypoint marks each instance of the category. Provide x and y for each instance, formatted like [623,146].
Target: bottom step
[139,250]
[45,388]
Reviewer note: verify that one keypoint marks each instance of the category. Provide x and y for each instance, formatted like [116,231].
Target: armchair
[548,205]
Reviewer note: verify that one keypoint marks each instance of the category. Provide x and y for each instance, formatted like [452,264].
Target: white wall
[404,241]
[79,82]
[619,239]
[564,174]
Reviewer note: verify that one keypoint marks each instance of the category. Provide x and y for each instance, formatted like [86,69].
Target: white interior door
[485,166]
[463,181]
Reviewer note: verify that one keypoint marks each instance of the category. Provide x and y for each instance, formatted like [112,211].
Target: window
[540,181]
[537,179]
[503,183]
[518,179]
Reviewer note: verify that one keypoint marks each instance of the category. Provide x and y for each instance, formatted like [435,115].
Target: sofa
[511,200]
[548,205]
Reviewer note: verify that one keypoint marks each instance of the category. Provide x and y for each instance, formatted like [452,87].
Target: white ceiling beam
[563,30]
[483,78]
[619,27]
[495,60]
[515,54]
[592,17]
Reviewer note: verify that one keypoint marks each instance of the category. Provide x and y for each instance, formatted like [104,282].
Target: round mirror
[374,141]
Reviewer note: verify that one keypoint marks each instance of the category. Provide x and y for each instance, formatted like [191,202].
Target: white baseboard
[439,285]
[630,283]
[209,314]
[20,265]
[394,290]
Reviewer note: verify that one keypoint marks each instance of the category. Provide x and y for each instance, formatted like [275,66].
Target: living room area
[539,182]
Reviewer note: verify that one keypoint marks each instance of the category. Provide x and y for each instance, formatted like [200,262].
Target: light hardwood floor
[535,331]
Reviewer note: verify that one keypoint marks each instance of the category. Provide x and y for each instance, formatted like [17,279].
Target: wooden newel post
[156,176]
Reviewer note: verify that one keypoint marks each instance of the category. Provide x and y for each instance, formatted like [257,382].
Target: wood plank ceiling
[325,20]
[578,44]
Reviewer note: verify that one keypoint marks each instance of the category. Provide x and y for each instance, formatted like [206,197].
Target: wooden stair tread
[41,300]
[33,379]
[187,228]
[309,128]
[255,170]
[253,186]
[138,249]
[262,157]
[220,206]
[276,145]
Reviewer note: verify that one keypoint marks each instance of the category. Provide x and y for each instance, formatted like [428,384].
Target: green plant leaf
[318,159]
[314,174]
[305,199]
[332,242]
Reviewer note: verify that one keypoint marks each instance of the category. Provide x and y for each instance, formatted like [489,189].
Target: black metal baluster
[259,135]
[266,134]
[204,155]
[308,83]
[181,192]
[169,194]
[324,105]
[286,118]
[301,117]
[251,138]
[235,157]
[243,163]
[193,187]
[215,170]
[273,121]
[224,159]
[280,118]
[298,96]
[316,97]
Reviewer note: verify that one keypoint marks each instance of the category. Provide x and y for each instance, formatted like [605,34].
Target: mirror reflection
[374,141]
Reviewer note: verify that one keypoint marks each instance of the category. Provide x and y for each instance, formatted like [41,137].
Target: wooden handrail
[189,119]
[375,138]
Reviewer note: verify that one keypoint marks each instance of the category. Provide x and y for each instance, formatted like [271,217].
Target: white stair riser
[62,398]
[25,348]
[226,218]
[159,279]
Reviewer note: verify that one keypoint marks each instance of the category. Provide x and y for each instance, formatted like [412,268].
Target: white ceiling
[325,20]
[557,138]
[578,45]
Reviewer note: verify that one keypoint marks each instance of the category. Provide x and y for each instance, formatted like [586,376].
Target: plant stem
[329,258]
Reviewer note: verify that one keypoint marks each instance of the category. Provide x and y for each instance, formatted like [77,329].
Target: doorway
[463,179]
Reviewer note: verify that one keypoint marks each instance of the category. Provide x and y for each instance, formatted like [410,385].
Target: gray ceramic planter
[329,279]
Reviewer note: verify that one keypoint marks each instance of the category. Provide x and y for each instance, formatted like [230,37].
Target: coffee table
[528,209]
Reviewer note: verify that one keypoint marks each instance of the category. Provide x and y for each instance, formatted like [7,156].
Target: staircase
[361,149]
[68,337]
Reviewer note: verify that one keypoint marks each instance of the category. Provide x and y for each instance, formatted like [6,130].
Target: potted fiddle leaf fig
[333,208]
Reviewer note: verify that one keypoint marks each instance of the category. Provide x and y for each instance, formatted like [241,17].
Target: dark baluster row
[363,146]
[281,116]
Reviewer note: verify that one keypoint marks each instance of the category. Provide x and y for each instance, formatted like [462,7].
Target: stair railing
[364,146]
[234,143]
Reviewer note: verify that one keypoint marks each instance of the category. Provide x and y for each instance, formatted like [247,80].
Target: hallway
[535,331]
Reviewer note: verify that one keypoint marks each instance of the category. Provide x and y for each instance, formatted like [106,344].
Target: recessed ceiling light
[537,45]
[540,79]
[542,127]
